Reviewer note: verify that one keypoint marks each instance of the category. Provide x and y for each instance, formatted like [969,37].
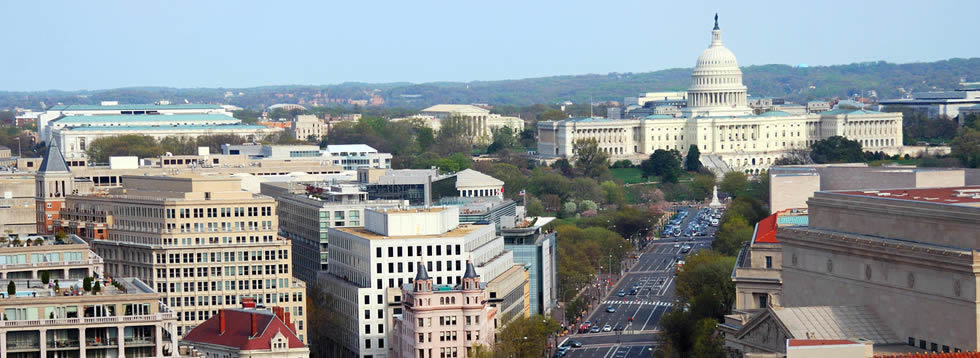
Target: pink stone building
[443,321]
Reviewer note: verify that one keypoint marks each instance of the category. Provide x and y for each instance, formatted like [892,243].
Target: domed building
[718,120]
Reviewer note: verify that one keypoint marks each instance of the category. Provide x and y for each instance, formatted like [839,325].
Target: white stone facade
[719,122]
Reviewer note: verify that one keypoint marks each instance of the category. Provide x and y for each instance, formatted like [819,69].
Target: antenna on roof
[591,115]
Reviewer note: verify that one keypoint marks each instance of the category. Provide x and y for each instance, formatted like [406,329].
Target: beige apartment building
[202,242]
[307,126]
[27,257]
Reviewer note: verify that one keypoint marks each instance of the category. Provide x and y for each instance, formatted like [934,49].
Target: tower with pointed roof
[471,281]
[52,182]
[423,283]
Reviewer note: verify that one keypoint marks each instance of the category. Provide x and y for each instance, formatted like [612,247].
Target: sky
[72,45]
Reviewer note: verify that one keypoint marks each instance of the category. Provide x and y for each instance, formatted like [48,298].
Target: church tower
[52,183]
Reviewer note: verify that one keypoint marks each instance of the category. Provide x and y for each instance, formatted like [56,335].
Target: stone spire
[422,280]
[471,281]
[54,161]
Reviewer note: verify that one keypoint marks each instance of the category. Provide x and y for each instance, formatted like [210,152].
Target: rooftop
[138,118]
[127,107]
[455,108]
[835,322]
[355,148]
[964,195]
[238,330]
[173,127]
[34,288]
[848,111]
[459,231]
[469,178]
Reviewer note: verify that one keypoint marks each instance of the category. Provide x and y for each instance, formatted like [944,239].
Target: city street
[647,293]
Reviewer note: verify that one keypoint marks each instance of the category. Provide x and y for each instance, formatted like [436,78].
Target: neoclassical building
[479,122]
[719,121]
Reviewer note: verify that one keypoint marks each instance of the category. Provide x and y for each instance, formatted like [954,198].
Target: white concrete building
[943,103]
[354,156]
[114,108]
[719,121]
[480,121]
[369,265]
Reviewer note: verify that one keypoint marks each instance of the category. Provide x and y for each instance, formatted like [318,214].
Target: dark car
[633,292]
[619,327]
[575,344]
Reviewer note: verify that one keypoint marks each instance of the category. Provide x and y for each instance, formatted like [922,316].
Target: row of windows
[418,250]
[227,256]
[226,212]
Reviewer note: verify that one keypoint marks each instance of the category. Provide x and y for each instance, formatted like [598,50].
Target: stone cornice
[913,253]
[896,206]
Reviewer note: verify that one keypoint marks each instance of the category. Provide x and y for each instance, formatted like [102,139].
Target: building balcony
[88,320]
[49,264]
[101,343]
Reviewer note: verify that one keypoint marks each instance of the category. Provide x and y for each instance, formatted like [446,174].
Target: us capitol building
[719,121]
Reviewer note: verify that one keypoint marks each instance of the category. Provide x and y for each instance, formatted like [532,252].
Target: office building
[940,103]
[307,127]
[537,249]
[443,320]
[356,156]
[203,242]
[369,265]
[305,218]
[17,204]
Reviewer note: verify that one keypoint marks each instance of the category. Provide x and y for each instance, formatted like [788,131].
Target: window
[768,262]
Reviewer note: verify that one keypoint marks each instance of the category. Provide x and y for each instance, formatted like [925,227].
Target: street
[647,293]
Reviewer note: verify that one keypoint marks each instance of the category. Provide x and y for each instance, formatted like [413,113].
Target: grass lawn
[628,175]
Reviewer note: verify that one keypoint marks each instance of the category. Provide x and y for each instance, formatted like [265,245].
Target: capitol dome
[716,82]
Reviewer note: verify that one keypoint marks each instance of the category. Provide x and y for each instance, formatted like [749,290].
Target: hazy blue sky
[106,44]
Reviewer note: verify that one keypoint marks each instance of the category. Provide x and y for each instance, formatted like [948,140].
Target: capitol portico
[719,121]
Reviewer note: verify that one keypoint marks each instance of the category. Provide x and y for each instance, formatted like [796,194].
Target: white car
[607,328]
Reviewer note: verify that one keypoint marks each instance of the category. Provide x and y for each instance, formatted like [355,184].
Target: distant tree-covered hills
[798,84]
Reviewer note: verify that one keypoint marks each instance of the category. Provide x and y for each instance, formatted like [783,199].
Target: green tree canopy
[836,149]
[664,164]
[734,183]
[966,147]
[593,162]
[692,162]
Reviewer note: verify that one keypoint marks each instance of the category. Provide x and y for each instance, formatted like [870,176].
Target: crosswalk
[638,302]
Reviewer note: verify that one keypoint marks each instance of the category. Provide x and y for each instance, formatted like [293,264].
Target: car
[636,285]
[611,309]
[677,245]
[633,292]
[575,344]
[619,327]
[595,329]
[622,293]
[607,328]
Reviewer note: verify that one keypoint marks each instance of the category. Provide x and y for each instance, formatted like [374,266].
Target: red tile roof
[951,195]
[765,230]
[238,333]
[818,342]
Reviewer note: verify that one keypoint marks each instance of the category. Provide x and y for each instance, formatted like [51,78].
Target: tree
[593,162]
[662,163]
[734,183]
[564,167]
[795,157]
[552,115]
[702,186]
[966,147]
[525,336]
[732,234]
[569,208]
[836,149]
[613,193]
[588,205]
[87,284]
[453,136]
[45,277]
[11,288]
[692,162]
[101,149]
[97,287]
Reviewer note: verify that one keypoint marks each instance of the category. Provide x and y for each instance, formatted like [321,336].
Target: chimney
[279,311]
[255,325]
[288,323]
[248,302]
[221,322]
